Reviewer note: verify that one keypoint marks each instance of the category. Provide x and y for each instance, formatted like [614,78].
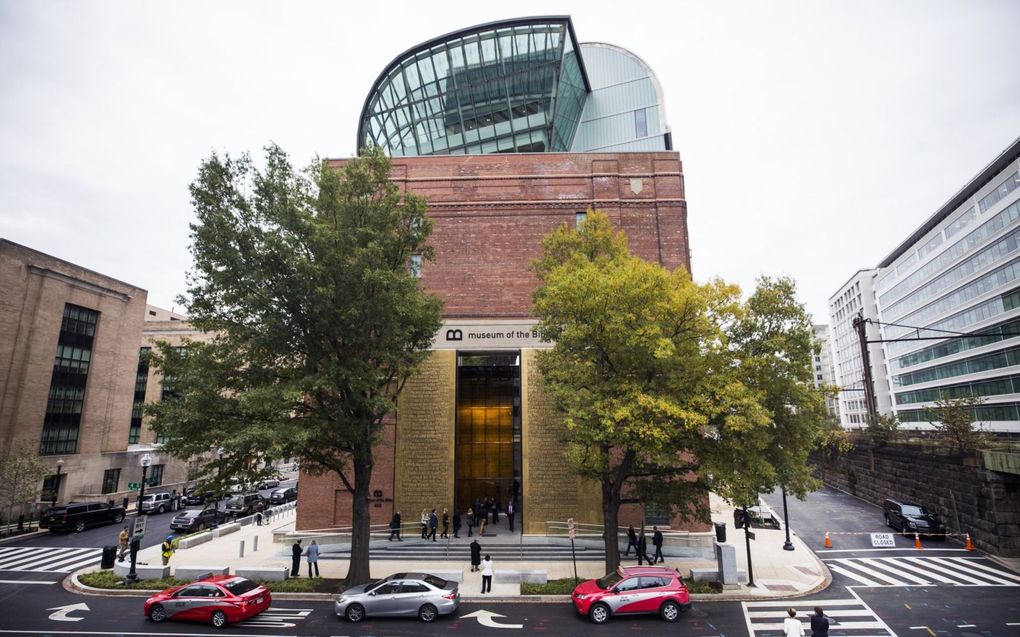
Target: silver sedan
[400,595]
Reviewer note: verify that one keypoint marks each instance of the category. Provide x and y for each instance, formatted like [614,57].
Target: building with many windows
[72,379]
[509,130]
[822,367]
[955,284]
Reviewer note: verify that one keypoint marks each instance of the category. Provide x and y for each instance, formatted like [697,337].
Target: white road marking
[23,581]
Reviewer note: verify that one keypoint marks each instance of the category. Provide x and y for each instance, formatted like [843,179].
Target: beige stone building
[73,374]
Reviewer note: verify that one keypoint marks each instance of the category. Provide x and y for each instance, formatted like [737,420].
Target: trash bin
[109,556]
[720,532]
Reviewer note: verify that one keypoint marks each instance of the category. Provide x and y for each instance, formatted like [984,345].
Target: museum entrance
[488,434]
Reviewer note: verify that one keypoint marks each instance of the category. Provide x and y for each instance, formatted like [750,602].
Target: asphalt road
[940,591]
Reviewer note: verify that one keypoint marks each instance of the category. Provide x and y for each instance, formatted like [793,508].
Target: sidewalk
[777,573]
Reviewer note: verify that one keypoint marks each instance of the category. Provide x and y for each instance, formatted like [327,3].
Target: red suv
[635,589]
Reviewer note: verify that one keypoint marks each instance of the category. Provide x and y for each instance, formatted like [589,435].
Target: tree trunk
[359,569]
[610,524]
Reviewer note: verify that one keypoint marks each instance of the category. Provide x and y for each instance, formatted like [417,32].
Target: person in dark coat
[433,525]
[642,548]
[495,510]
[476,555]
[819,623]
[446,525]
[295,553]
[657,541]
[631,539]
[456,523]
[470,520]
[510,511]
[395,527]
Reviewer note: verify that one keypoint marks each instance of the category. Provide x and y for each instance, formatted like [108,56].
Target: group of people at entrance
[478,515]
[640,543]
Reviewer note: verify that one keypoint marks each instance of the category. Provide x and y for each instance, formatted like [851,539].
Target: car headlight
[912,524]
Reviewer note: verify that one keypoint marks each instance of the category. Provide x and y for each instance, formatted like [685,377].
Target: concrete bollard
[241,553]
[255,545]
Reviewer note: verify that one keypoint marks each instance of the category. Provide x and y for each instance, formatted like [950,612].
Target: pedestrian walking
[631,539]
[446,524]
[470,520]
[510,511]
[424,524]
[495,510]
[456,523]
[312,554]
[122,543]
[482,524]
[642,548]
[167,549]
[395,527]
[258,518]
[476,555]
[433,525]
[487,575]
[657,541]
[819,623]
[791,625]
[295,559]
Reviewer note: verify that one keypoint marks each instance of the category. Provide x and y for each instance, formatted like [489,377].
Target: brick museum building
[509,129]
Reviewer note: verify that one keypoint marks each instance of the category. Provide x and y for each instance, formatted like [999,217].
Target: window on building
[641,122]
[155,475]
[68,381]
[111,480]
[579,218]
[51,487]
[416,266]
[141,383]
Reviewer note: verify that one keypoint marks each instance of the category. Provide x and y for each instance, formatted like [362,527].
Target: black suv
[194,497]
[909,517]
[76,516]
[283,496]
[196,520]
[240,506]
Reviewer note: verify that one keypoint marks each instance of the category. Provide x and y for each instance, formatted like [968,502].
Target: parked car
[400,595]
[195,497]
[76,516]
[219,600]
[242,505]
[910,517]
[283,496]
[633,590]
[270,483]
[196,520]
[155,503]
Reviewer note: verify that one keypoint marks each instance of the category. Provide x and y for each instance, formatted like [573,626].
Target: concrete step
[504,552]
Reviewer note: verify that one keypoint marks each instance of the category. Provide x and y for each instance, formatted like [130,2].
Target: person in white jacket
[791,625]
[487,574]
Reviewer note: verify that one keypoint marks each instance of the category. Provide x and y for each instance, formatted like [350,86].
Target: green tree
[304,283]
[21,475]
[953,419]
[654,407]
[773,340]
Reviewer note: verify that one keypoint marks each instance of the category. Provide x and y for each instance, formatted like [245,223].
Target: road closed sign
[883,540]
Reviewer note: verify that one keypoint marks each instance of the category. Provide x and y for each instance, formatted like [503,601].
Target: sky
[815,135]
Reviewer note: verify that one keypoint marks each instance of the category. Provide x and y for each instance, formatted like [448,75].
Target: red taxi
[219,600]
[633,590]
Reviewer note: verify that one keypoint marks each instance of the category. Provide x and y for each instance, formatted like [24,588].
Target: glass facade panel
[998,412]
[995,360]
[993,334]
[488,431]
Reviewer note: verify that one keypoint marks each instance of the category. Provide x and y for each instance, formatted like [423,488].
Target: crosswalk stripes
[43,559]
[849,616]
[921,571]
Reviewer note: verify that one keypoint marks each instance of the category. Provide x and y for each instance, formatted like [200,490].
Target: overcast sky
[815,136]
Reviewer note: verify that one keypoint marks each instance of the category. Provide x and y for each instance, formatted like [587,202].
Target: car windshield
[914,510]
[240,586]
[235,501]
[432,580]
[190,514]
[608,580]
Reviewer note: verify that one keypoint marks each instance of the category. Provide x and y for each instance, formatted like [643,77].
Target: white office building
[958,274]
[823,369]
[857,296]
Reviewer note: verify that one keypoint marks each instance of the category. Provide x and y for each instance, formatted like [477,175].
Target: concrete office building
[857,297]
[509,130]
[959,273]
[823,367]
[69,357]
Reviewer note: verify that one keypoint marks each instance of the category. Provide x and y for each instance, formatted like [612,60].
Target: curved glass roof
[510,86]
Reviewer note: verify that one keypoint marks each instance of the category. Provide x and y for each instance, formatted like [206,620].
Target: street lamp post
[136,541]
[747,540]
[788,546]
[219,477]
[56,485]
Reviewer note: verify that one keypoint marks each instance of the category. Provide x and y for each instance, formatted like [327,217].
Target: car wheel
[670,611]
[161,509]
[157,613]
[355,613]
[428,613]
[117,519]
[79,526]
[599,613]
[218,619]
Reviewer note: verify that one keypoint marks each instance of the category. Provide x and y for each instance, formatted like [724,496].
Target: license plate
[259,600]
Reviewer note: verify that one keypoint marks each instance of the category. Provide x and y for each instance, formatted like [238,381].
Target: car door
[623,597]
[411,597]
[381,602]
[649,597]
[187,602]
